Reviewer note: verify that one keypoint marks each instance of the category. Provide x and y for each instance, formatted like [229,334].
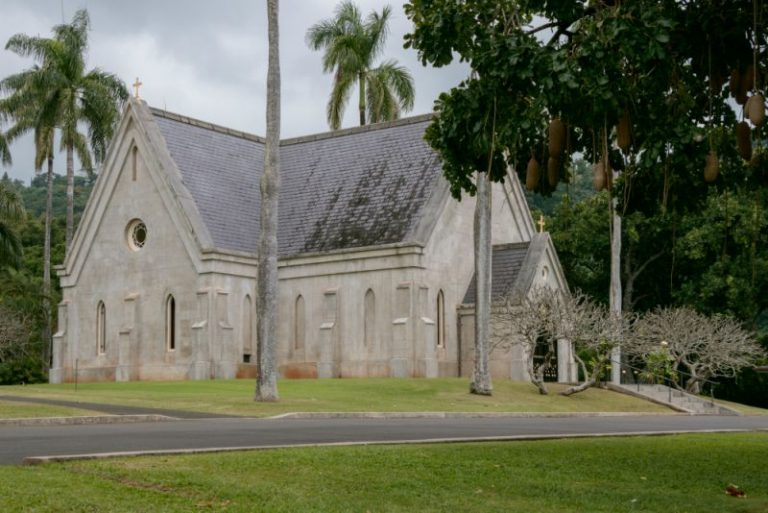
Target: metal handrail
[666,381]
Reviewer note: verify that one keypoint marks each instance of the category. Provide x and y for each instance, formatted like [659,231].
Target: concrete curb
[40,460]
[463,415]
[129,419]
[76,421]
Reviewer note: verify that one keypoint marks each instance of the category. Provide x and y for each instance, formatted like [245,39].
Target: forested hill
[33,195]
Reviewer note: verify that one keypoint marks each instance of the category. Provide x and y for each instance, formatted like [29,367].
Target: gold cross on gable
[136,86]
[541,223]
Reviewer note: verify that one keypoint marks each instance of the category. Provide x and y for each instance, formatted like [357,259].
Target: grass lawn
[338,395]
[14,410]
[743,408]
[684,473]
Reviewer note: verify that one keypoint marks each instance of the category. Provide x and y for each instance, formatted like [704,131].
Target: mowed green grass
[14,410]
[338,395]
[672,474]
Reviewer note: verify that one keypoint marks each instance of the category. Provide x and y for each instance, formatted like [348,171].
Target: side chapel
[375,258]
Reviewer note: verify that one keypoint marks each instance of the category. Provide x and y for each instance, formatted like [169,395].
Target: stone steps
[678,400]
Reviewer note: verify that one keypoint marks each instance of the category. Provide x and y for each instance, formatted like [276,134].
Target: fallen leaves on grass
[735,491]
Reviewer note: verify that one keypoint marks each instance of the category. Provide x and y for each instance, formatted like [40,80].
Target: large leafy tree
[351,47]
[266,298]
[639,86]
[69,96]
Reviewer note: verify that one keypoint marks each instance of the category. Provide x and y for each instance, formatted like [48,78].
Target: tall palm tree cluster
[59,95]
[351,46]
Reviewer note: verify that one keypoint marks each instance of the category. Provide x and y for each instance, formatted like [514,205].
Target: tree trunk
[70,195]
[533,374]
[266,385]
[590,380]
[481,379]
[615,292]
[47,327]
[361,101]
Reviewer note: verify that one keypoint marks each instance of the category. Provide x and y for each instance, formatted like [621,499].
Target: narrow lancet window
[369,318]
[101,328]
[247,329]
[134,163]
[299,324]
[170,323]
[440,319]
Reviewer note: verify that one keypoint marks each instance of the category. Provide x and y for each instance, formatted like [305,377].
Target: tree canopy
[649,72]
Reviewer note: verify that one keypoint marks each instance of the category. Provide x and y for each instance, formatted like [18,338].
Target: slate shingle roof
[343,190]
[506,262]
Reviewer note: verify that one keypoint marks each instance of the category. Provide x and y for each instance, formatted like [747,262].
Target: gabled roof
[506,262]
[348,189]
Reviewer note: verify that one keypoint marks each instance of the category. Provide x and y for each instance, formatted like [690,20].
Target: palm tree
[11,211]
[23,106]
[351,46]
[69,96]
[266,299]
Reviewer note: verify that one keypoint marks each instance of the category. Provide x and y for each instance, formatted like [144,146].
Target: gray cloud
[207,59]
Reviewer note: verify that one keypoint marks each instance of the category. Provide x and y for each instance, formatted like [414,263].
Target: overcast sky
[208,58]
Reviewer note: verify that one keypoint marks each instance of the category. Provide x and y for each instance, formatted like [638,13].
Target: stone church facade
[375,257]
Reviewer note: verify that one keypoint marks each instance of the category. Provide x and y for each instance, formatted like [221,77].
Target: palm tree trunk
[361,102]
[70,195]
[47,327]
[481,379]
[266,384]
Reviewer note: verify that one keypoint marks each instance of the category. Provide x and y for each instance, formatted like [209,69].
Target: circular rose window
[136,234]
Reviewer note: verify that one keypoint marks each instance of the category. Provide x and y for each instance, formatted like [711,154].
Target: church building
[375,258]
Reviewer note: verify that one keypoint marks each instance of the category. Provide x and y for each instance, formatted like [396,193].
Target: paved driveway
[16,443]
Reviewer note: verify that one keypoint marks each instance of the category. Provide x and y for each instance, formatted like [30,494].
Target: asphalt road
[17,443]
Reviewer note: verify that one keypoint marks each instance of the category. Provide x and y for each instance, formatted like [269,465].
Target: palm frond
[376,31]
[399,81]
[10,246]
[342,87]
[5,151]
[389,91]
[11,205]
[80,145]
[381,104]
[39,48]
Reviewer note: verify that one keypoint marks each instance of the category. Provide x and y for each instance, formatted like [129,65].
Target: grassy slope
[686,473]
[236,396]
[14,410]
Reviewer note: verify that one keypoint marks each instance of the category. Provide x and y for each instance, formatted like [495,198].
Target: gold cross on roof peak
[541,223]
[136,86]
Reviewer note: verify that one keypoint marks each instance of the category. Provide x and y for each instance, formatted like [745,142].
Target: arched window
[101,328]
[170,323]
[440,319]
[299,324]
[247,329]
[369,318]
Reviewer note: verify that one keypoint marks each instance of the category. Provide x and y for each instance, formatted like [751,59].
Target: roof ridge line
[205,124]
[291,140]
[411,120]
